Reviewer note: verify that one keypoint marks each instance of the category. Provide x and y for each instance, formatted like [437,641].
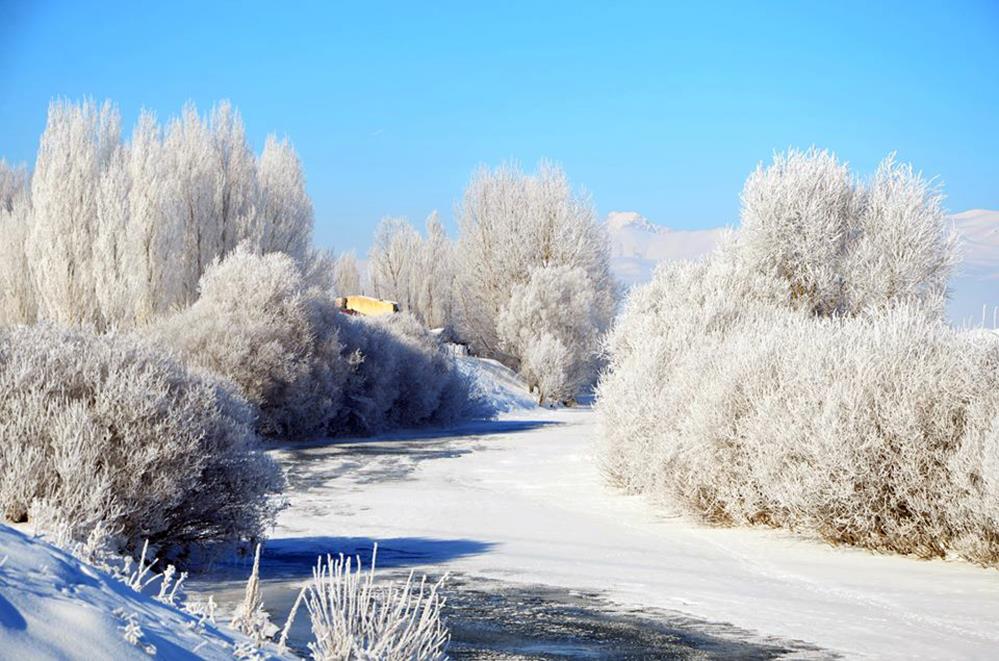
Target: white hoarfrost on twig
[355,618]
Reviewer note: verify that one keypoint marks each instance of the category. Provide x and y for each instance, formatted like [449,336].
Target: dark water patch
[493,620]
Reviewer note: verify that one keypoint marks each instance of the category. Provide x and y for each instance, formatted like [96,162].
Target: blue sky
[651,107]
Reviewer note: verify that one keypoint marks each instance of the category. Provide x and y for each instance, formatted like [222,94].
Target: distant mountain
[975,284]
[637,245]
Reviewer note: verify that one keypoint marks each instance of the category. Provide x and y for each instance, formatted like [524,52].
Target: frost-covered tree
[17,292]
[283,219]
[843,245]
[122,232]
[13,183]
[75,149]
[158,218]
[552,319]
[512,224]
[413,270]
[347,275]
[394,262]
[435,281]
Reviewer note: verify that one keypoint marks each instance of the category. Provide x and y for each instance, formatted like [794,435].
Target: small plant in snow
[355,618]
[132,632]
[250,617]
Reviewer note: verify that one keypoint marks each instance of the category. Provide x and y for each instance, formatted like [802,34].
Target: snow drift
[53,606]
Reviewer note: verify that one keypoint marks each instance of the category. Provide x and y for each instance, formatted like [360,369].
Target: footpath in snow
[520,500]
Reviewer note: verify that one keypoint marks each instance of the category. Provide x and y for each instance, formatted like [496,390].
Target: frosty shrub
[763,387]
[355,618]
[105,431]
[257,325]
[308,368]
[400,376]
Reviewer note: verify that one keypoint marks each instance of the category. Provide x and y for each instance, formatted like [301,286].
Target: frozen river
[548,562]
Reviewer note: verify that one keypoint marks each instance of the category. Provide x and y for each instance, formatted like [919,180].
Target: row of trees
[803,375]
[527,282]
[112,233]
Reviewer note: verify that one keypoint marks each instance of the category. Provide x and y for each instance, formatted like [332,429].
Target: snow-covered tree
[394,262]
[78,142]
[435,281]
[17,291]
[415,271]
[843,245]
[159,216]
[13,183]
[347,275]
[512,224]
[283,219]
[553,320]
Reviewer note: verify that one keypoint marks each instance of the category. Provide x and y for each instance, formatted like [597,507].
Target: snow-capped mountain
[637,245]
[975,283]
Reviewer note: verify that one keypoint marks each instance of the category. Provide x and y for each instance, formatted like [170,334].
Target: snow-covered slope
[502,388]
[52,606]
[637,245]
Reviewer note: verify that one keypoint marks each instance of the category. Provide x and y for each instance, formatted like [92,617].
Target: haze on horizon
[663,110]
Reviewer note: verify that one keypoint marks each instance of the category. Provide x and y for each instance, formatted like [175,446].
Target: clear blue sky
[651,107]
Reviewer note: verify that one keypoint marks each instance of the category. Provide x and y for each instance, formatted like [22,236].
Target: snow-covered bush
[105,431]
[355,618]
[552,323]
[511,225]
[257,325]
[760,387]
[308,368]
[400,376]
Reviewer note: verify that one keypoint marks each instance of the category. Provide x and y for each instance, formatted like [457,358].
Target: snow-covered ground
[637,245]
[521,500]
[52,606]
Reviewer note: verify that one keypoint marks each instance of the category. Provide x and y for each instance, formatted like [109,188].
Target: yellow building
[367,306]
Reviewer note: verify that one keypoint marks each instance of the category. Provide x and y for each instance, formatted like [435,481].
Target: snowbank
[500,387]
[52,606]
